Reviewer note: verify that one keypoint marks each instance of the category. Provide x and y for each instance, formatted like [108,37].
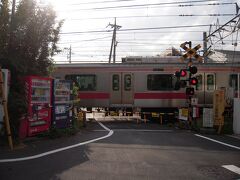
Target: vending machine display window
[62,104]
[39,92]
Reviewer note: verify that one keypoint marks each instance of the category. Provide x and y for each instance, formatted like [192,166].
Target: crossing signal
[183,83]
[180,84]
[190,91]
[181,73]
[193,69]
[193,81]
[177,74]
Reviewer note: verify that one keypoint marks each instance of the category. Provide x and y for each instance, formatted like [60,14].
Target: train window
[233,81]
[127,82]
[115,82]
[210,82]
[85,82]
[160,82]
[199,85]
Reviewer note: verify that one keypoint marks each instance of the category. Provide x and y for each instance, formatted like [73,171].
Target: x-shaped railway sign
[191,52]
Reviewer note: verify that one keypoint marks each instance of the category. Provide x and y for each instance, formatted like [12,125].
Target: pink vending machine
[39,92]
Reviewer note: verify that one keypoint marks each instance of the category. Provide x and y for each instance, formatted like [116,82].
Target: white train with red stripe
[148,86]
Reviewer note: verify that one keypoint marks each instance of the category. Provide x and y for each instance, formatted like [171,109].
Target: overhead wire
[152,16]
[95,39]
[147,32]
[102,2]
[182,4]
[139,29]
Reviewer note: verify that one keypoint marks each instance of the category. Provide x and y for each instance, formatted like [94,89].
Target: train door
[210,86]
[121,89]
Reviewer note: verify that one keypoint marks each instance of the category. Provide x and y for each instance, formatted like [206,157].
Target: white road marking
[141,130]
[60,149]
[146,130]
[232,168]
[225,144]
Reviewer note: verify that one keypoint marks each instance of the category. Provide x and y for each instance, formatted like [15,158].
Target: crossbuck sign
[190,53]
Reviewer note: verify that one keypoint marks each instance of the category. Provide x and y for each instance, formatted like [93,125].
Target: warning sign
[218,107]
[191,52]
[183,114]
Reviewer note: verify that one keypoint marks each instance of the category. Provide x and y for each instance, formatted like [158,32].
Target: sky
[146,30]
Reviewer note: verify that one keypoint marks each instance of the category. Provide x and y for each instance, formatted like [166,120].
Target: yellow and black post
[6,117]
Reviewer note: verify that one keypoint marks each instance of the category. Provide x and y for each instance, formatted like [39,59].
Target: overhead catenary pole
[205,46]
[114,47]
[225,25]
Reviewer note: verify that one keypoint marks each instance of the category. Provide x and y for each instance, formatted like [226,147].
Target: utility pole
[68,51]
[70,54]
[114,42]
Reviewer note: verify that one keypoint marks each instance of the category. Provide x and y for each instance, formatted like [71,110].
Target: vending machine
[6,83]
[62,105]
[39,94]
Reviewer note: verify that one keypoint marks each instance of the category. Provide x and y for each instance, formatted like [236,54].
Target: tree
[4,27]
[27,45]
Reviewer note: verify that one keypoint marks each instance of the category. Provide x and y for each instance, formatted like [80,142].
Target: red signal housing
[193,69]
[193,81]
[177,74]
[183,72]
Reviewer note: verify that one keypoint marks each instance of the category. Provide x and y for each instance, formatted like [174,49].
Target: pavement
[237,136]
[134,151]
[37,145]
[32,146]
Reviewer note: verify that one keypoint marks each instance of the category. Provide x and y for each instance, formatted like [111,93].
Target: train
[148,86]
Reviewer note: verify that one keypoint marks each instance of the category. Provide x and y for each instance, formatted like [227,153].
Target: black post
[190,113]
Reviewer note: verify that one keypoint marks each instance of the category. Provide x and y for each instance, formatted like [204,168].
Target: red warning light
[193,81]
[183,72]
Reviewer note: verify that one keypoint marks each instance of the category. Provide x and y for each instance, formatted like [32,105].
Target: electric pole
[114,42]
[68,51]
[70,54]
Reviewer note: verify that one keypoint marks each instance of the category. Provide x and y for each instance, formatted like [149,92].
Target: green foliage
[4,27]
[27,45]
[54,133]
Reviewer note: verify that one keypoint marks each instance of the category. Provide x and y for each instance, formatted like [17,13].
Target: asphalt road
[134,151]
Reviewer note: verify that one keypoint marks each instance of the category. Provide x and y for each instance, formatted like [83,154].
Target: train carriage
[147,86]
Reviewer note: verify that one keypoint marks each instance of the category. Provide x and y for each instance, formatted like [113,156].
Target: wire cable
[139,29]
[152,16]
[102,2]
[182,4]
